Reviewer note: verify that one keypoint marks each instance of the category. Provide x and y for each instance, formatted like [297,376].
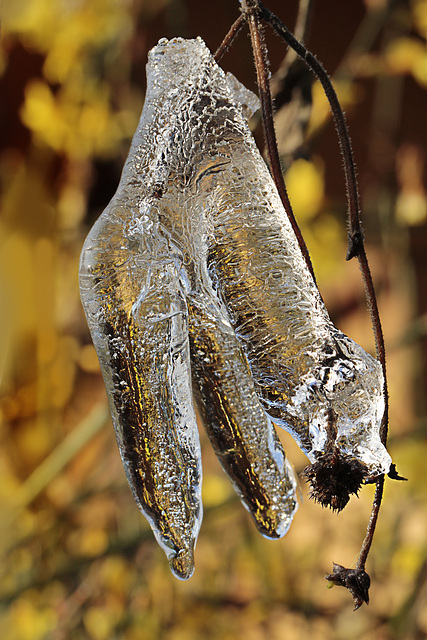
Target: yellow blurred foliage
[88,360]
[411,200]
[411,208]
[321,230]
[349,94]
[87,542]
[100,622]
[79,561]
[76,121]
[63,29]
[117,574]
[29,620]
[407,55]
[215,490]
[419,12]
[305,185]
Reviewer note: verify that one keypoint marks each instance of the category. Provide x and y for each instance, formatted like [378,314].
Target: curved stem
[229,38]
[355,246]
[253,12]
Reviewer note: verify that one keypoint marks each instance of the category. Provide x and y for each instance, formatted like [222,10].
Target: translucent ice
[159,322]
[195,291]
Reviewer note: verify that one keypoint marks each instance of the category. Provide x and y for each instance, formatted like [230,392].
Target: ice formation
[196,293]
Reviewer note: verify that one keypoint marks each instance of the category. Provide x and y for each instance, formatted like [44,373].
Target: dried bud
[356,581]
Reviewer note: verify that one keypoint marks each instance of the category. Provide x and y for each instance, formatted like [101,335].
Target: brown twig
[367,542]
[229,38]
[356,244]
[251,11]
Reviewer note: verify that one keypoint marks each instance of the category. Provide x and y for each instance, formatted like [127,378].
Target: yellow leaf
[348,94]
[411,208]
[88,542]
[40,113]
[88,360]
[420,69]
[30,621]
[77,121]
[100,622]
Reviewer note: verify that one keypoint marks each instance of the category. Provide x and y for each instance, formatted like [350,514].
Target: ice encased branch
[192,276]
[158,325]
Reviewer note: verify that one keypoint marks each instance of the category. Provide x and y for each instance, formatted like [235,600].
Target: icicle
[153,309]
[192,276]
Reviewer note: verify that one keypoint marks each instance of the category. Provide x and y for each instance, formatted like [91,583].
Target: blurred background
[78,559]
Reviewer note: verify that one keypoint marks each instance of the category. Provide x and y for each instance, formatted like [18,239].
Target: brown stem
[369,536]
[229,38]
[379,340]
[251,12]
[356,244]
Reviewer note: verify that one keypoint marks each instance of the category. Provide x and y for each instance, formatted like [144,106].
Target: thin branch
[355,248]
[251,12]
[229,38]
[367,542]
[357,581]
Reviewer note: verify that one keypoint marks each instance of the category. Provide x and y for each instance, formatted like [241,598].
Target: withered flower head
[356,581]
[333,478]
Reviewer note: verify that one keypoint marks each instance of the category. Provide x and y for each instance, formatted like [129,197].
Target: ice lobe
[158,320]
[313,380]
[195,291]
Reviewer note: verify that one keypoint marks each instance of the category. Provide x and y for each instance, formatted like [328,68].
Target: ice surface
[193,276]
[149,302]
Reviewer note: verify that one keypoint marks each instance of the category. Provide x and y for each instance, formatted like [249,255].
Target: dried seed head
[333,478]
